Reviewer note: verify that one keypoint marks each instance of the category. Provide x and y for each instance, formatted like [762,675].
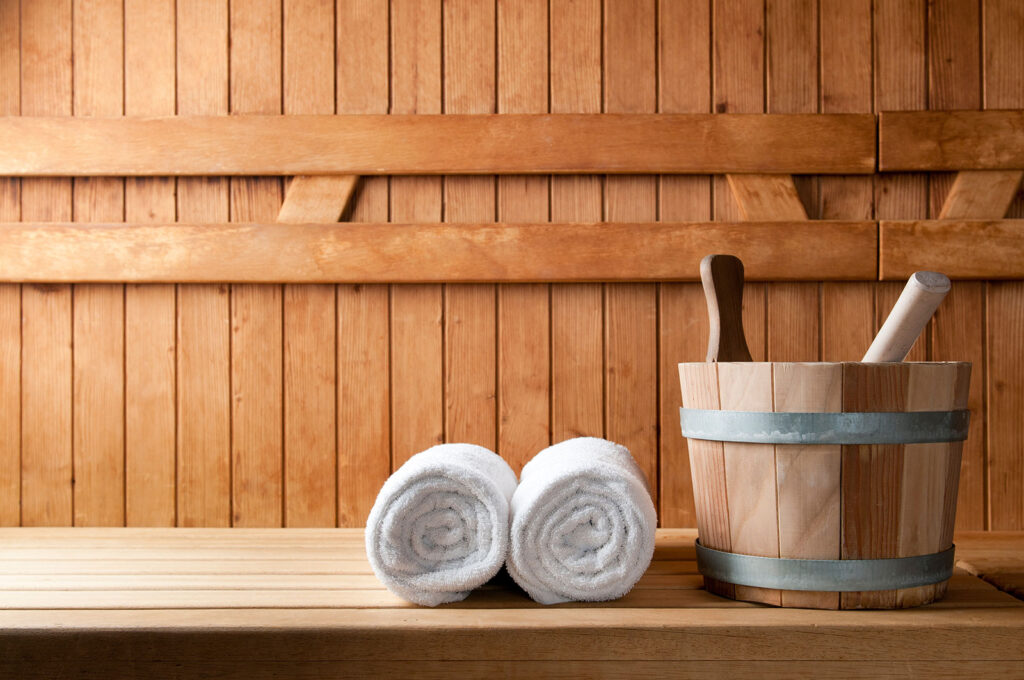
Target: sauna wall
[270,405]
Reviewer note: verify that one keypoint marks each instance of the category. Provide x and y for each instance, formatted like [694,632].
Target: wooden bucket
[829,497]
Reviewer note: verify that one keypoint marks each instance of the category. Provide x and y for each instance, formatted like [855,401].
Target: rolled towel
[439,526]
[582,523]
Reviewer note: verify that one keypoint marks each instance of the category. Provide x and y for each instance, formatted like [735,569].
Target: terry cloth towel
[582,523]
[439,526]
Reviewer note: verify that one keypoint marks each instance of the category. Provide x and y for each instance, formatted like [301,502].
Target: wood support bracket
[767,198]
[981,194]
[317,198]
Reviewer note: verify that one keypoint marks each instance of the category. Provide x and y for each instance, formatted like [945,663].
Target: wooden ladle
[722,276]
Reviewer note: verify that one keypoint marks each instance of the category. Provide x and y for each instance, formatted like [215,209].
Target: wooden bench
[302,603]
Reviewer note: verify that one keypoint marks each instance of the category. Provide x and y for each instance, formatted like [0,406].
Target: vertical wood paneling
[364,373]
[203,325]
[738,87]
[1004,88]
[958,333]
[792,45]
[469,309]
[684,86]
[156,405]
[10,294]
[631,356]
[149,310]
[847,309]
[310,328]
[577,317]
[256,310]
[98,309]
[900,86]
[417,374]
[524,334]
[46,463]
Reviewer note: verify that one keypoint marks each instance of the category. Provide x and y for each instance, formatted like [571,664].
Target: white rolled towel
[439,526]
[582,523]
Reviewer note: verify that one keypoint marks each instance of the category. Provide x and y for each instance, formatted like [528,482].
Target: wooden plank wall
[264,405]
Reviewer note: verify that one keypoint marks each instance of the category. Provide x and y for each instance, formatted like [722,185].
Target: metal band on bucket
[758,427]
[825,575]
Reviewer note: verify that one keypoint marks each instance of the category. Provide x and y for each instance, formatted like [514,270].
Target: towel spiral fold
[439,526]
[582,523]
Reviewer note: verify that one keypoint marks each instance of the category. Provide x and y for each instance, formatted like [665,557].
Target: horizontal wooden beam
[951,140]
[431,144]
[961,249]
[412,253]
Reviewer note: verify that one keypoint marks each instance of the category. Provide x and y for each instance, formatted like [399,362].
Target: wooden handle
[918,301]
[722,276]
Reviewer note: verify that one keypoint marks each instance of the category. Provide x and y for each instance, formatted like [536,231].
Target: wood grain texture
[417,312]
[900,84]
[958,333]
[191,251]
[631,317]
[256,310]
[766,197]
[10,295]
[309,312]
[981,194]
[959,248]
[1004,302]
[149,310]
[317,198]
[203,314]
[699,385]
[751,472]
[738,71]
[950,140]
[524,311]
[793,323]
[684,86]
[470,311]
[872,476]
[363,340]
[431,145]
[808,477]
[845,52]
[98,453]
[577,314]
[46,399]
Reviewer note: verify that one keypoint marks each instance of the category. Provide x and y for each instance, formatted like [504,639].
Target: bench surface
[260,602]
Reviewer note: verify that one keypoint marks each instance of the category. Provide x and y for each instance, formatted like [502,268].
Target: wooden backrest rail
[438,144]
[420,253]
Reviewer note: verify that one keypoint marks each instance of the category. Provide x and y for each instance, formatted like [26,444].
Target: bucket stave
[827,501]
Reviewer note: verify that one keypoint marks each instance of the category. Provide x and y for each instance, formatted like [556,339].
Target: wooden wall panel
[470,382]
[1004,308]
[256,310]
[150,310]
[203,324]
[363,341]
[630,323]
[958,332]
[577,317]
[10,294]
[417,332]
[269,405]
[46,453]
[309,312]
[684,86]
[524,316]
